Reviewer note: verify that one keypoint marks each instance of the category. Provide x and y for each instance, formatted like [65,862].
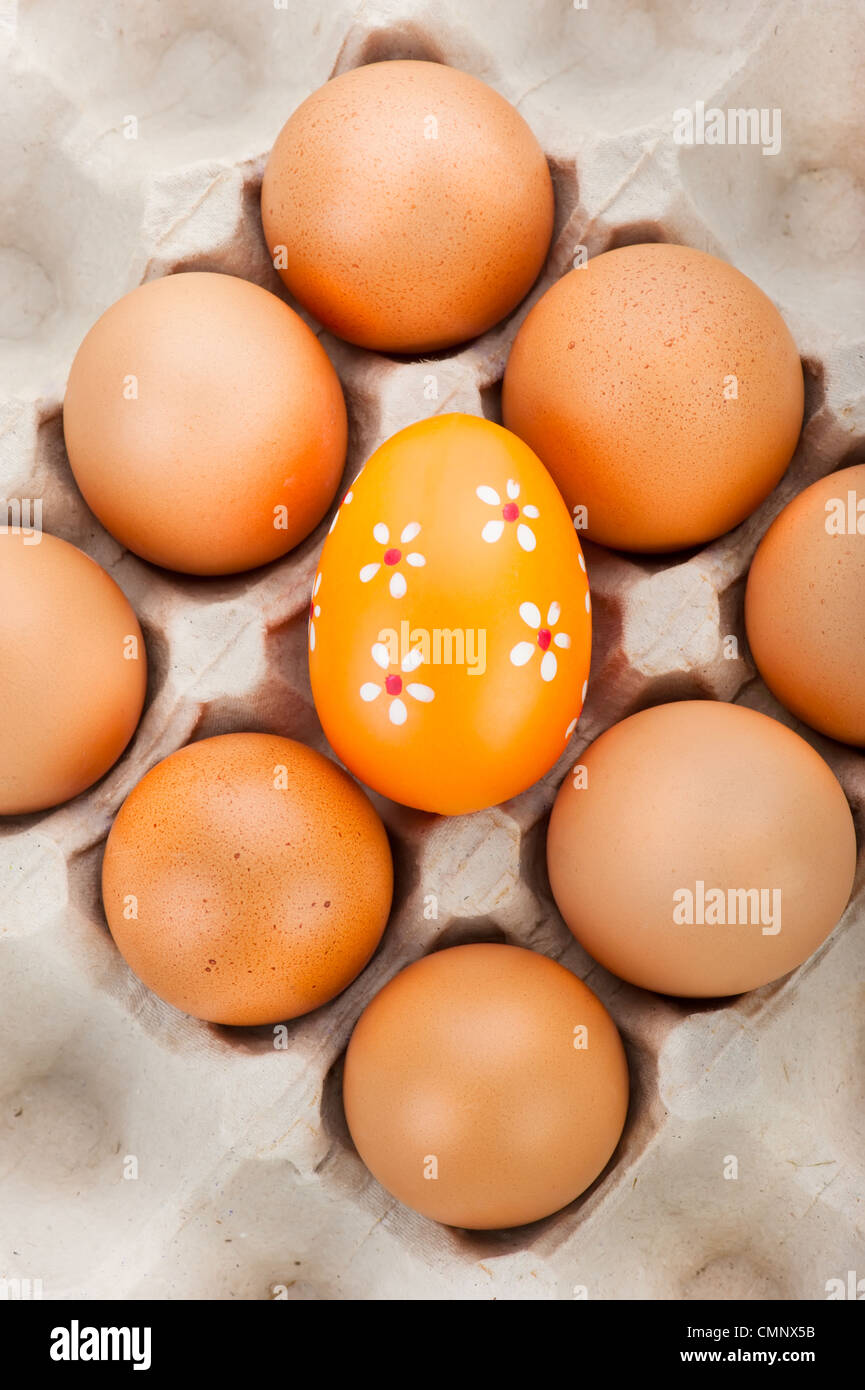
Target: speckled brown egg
[805,606]
[73,671]
[662,390]
[205,425]
[486,1086]
[407,206]
[701,849]
[247,879]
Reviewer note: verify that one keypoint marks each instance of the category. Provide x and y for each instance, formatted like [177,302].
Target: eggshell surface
[205,425]
[407,206]
[805,606]
[704,849]
[450,632]
[247,879]
[485,1086]
[73,671]
[662,390]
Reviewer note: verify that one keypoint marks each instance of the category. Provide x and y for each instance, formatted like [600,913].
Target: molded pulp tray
[248,1186]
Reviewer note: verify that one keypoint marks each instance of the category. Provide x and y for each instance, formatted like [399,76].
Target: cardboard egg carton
[147,1154]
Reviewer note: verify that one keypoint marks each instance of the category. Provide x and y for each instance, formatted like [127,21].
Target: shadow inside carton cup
[257,1040]
[637,234]
[474,932]
[401,40]
[814,375]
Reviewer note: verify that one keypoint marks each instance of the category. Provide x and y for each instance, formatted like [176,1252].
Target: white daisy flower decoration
[393,686]
[393,556]
[576,719]
[544,641]
[511,512]
[344,503]
[314,611]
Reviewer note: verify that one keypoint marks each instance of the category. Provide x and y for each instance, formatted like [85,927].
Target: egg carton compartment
[147,1154]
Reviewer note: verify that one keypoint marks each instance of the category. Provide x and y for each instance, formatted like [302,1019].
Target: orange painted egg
[450,632]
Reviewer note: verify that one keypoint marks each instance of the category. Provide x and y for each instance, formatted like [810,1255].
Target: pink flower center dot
[393,685]
[544,639]
[392,557]
[510,511]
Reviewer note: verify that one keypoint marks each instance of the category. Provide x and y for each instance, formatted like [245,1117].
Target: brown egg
[205,424]
[805,606]
[662,390]
[485,1086]
[247,879]
[73,671]
[407,206]
[701,849]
